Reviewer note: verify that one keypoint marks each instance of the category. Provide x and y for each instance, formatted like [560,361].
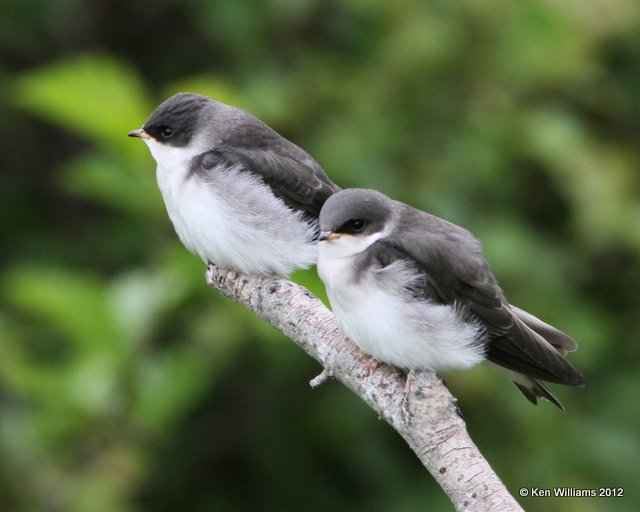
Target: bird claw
[404,404]
[371,364]
[411,376]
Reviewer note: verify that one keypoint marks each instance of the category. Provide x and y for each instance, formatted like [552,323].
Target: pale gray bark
[425,416]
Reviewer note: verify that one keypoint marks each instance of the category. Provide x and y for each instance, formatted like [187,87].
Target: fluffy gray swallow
[416,292]
[238,194]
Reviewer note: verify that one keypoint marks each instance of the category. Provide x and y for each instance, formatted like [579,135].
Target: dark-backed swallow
[416,291]
[238,194]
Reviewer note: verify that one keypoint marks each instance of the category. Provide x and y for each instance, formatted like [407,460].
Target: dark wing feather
[559,340]
[454,265]
[292,174]
[457,272]
[525,351]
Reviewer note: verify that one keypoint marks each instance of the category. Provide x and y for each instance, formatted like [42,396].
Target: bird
[416,291]
[239,194]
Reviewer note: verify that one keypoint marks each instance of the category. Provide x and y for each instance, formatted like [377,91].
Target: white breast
[377,316]
[235,221]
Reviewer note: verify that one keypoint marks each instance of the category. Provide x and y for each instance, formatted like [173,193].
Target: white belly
[407,334]
[235,221]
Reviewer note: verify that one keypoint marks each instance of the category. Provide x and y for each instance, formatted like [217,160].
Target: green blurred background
[126,384]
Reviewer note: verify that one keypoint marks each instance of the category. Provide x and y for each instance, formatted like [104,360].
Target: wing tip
[548,355]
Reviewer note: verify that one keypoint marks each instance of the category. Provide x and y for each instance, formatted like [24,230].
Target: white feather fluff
[375,312]
[233,220]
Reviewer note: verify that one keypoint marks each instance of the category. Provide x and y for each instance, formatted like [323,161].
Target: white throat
[230,216]
[347,246]
[171,157]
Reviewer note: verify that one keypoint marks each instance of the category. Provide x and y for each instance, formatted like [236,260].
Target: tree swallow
[238,194]
[416,291]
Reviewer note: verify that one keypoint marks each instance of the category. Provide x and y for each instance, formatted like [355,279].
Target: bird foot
[404,405]
[371,364]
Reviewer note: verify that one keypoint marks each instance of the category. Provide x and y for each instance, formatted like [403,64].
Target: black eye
[166,132]
[356,224]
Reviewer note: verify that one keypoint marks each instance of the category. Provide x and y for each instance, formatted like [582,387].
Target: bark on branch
[426,417]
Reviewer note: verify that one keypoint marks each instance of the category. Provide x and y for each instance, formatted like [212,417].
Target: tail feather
[534,351]
[536,391]
[533,389]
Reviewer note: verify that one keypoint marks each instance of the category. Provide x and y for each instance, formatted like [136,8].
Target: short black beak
[140,133]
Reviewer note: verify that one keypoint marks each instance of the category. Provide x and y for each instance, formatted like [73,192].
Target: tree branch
[426,416]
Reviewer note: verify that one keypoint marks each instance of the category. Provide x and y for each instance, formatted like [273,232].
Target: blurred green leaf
[602,181]
[75,304]
[170,384]
[115,183]
[93,95]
